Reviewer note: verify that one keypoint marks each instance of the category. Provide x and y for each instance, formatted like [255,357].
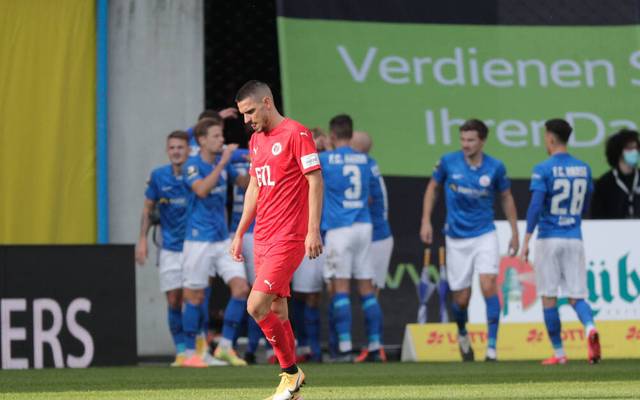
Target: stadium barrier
[613,283]
[519,341]
[67,306]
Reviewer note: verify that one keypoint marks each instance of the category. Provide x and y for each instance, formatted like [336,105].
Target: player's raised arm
[430,198]
[202,187]
[313,242]
[145,224]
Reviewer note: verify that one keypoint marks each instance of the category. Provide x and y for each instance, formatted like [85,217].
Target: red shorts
[275,264]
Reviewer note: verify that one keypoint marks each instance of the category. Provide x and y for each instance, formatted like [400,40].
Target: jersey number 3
[575,190]
[354,191]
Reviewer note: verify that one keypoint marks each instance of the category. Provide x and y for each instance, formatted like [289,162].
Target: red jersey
[279,160]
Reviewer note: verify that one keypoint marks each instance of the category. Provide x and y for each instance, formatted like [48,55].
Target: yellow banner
[526,341]
[47,121]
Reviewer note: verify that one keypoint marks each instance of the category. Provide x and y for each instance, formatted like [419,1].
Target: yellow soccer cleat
[230,356]
[289,386]
[179,361]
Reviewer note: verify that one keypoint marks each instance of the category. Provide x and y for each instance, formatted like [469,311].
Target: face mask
[630,157]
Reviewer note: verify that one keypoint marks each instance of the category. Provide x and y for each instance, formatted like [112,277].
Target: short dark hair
[251,88]
[208,113]
[204,124]
[182,135]
[616,144]
[559,128]
[342,126]
[477,125]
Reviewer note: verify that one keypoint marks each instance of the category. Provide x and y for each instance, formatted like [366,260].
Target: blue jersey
[207,216]
[379,206]
[240,168]
[346,174]
[194,147]
[566,182]
[171,195]
[469,193]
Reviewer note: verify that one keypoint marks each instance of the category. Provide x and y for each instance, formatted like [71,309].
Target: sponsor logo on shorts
[266,282]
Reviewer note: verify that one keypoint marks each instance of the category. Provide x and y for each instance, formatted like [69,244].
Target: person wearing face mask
[617,192]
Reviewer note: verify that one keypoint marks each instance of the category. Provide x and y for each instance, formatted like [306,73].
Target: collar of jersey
[271,132]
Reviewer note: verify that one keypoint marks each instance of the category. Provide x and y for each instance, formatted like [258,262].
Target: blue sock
[254,334]
[493,319]
[333,335]
[175,326]
[554,326]
[204,322]
[298,321]
[233,317]
[373,319]
[342,315]
[461,317]
[312,326]
[191,324]
[585,314]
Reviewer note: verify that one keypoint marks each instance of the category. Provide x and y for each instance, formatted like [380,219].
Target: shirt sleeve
[440,171]
[533,212]
[502,181]
[538,180]
[151,193]
[305,152]
[191,174]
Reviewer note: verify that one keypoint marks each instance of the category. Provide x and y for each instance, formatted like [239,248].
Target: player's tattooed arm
[509,208]
[145,225]
[430,197]
[313,241]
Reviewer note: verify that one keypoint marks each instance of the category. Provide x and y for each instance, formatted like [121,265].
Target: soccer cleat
[491,355]
[179,361]
[250,358]
[343,357]
[211,361]
[466,351]
[289,386]
[593,342]
[195,361]
[369,356]
[555,360]
[230,356]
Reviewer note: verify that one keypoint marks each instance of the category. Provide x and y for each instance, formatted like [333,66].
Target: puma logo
[268,284]
[304,134]
[272,339]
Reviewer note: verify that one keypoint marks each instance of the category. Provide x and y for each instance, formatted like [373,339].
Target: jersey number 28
[575,190]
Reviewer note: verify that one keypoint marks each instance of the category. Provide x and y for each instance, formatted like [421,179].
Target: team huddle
[277,224]
[303,219]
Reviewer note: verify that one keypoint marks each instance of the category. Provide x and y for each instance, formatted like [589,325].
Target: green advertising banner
[411,85]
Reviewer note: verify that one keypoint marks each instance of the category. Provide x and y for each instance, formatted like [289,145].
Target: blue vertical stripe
[102,181]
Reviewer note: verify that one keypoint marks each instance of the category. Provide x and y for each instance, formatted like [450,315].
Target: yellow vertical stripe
[47,121]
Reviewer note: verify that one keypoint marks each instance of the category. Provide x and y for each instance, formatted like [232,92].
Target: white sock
[491,352]
[225,343]
[559,352]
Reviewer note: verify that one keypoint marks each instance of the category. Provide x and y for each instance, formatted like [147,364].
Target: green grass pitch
[611,379]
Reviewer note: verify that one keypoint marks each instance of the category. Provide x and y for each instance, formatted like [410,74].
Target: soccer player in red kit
[285,197]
